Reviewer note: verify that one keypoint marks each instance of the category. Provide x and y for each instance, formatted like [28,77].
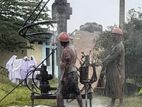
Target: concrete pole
[61,11]
[121,13]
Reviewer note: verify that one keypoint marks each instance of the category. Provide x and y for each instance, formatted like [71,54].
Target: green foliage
[140,92]
[104,43]
[3,75]
[133,45]
[13,13]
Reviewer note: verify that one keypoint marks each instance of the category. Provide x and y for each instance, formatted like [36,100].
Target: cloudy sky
[104,12]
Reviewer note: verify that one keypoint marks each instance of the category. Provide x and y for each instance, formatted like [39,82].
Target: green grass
[20,96]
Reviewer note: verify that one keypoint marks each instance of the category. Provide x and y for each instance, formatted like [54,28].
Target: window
[47,54]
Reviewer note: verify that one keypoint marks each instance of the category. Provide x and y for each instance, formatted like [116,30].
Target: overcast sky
[104,12]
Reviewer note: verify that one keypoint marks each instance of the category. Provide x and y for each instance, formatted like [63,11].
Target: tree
[132,42]
[13,13]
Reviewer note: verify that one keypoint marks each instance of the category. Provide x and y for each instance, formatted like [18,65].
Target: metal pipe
[53,63]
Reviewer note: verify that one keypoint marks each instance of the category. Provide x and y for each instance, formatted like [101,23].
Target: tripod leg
[32,102]
[86,97]
[90,102]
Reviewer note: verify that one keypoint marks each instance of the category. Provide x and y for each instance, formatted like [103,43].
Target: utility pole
[121,13]
[61,12]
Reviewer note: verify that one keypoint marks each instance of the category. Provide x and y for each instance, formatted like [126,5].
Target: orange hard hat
[117,30]
[63,37]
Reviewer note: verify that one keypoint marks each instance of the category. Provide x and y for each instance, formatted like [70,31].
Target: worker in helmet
[69,77]
[114,68]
